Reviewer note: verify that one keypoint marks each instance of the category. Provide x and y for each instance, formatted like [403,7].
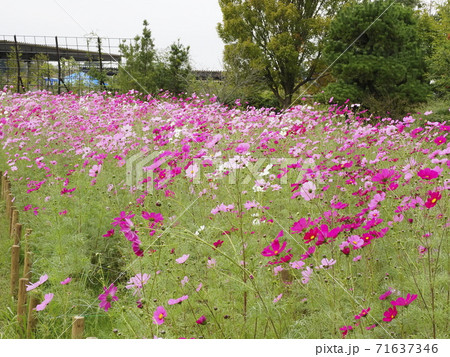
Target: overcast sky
[192,21]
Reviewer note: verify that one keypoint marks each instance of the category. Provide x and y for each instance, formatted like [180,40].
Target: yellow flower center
[160,316]
[433,200]
[312,237]
[276,252]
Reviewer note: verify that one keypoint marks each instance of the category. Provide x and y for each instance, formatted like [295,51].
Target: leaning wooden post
[1,184]
[15,253]
[31,322]
[22,301]
[77,327]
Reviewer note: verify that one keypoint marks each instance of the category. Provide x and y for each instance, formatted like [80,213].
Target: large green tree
[376,56]
[281,40]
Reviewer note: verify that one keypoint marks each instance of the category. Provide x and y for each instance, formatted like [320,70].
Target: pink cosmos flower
[199,287]
[137,282]
[385,176]
[432,200]
[301,225]
[218,243]
[274,248]
[308,191]
[345,330]
[385,295]
[404,301]
[43,304]
[178,301]
[242,148]
[306,275]
[184,281]
[192,170]
[66,281]
[159,315]
[41,281]
[440,140]
[211,263]
[427,174]
[297,265]
[109,233]
[95,170]
[327,263]
[277,298]
[201,320]
[182,259]
[390,314]
[308,253]
[107,297]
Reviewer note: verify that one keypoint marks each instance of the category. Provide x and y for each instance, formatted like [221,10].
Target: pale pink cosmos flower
[43,304]
[297,265]
[95,170]
[199,287]
[137,282]
[306,275]
[41,281]
[277,298]
[308,191]
[178,301]
[184,281]
[211,263]
[277,269]
[357,258]
[182,259]
[192,170]
[327,263]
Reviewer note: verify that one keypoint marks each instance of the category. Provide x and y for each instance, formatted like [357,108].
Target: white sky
[192,21]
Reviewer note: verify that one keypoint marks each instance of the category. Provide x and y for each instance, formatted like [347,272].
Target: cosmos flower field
[160,217]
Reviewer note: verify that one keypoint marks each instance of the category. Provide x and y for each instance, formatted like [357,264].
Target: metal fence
[59,63]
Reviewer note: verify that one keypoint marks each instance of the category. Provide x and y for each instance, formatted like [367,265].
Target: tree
[384,69]
[280,39]
[438,60]
[176,69]
[146,71]
[138,72]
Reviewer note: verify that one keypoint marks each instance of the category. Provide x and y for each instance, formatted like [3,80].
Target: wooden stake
[14,220]
[27,265]
[15,253]
[9,201]
[77,327]
[31,323]
[21,302]
[17,233]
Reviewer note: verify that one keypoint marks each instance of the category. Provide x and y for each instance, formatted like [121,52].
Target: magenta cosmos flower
[201,320]
[404,301]
[385,176]
[390,314]
[432,200]
[274,248]
[107,297]
[428,174]
[385,295]
[159,315]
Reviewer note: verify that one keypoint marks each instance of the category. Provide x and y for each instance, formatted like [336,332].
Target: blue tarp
[83,78]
